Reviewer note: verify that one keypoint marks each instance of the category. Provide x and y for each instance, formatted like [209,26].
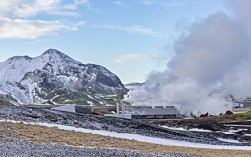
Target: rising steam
[211,61]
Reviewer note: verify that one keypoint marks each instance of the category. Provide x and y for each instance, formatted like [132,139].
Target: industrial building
[156,112]
[128,112]
[145,112]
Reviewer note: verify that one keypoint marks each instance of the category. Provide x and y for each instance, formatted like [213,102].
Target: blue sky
[129,37]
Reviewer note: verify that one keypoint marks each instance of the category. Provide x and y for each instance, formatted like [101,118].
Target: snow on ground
[183,129]
[233,131]
[90,103]
[142,138]
[228,140]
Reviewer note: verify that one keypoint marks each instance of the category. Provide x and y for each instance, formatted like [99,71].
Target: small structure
[238,105]
[83,109]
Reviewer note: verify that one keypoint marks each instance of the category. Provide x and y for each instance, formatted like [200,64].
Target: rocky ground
[205,123]
[24,149]
[213,123]
[116,125]
[24,139]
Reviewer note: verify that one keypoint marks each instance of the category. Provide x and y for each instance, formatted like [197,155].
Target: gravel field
[23,149]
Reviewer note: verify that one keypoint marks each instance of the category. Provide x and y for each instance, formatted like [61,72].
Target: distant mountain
[54,77]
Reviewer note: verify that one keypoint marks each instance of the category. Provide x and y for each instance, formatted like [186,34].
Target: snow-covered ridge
[14,69]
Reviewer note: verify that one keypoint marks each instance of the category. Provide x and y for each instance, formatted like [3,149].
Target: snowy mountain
[56,78]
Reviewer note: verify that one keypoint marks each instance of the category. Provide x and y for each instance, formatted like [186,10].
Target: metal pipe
[123,110]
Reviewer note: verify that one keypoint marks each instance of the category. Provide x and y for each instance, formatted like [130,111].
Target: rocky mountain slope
[54,77]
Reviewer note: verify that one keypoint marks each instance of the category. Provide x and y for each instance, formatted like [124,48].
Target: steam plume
[212,61]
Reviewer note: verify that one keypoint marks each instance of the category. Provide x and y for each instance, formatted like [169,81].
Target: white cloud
[148,2]
[31,29]
[164,3]
[29,8]
[120,3]
[134,58]
[19,18]
[137,29]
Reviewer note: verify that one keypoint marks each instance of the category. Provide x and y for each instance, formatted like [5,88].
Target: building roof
[146,110]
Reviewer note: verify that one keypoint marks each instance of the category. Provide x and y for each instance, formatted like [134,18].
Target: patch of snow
[233,131]
[54,97]
[101,102]
[227,133]
[90,96]
[228,140]
[90,103]
[183,129]
[174,128]
[199,130]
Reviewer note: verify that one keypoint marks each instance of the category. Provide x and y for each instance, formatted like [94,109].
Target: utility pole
[123,110]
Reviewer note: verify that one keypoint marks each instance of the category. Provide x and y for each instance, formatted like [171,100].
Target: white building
[157,112]
[146,112]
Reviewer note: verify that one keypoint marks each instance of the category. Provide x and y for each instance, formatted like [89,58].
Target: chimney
[117,108]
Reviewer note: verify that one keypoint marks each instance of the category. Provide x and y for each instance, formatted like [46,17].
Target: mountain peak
[53,53]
